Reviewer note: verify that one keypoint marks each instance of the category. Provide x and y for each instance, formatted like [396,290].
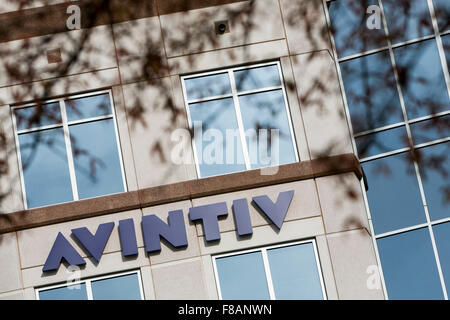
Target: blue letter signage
[209,215]
[241,215]
[94,244]
[127,236]
[276,212]
[62,249]
[153,229]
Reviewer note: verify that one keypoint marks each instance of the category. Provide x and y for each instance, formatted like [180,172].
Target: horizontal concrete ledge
[176,192]
[52,19]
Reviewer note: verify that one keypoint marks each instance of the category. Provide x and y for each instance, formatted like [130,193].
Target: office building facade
[266,149]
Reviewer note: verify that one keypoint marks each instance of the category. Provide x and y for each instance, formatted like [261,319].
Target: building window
[397,92]
[286,272]
[240,119]
[124,286]
[68,149]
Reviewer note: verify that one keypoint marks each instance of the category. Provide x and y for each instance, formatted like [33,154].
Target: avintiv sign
[153,228]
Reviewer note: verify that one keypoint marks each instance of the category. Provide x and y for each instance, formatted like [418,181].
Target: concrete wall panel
[9,263]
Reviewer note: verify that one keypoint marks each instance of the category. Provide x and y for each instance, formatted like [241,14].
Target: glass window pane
[381,142]
[294,272]
[442,237]
[38,116]
[242,277]
[409,266]
[422,79]
[407,19]
[434,129]
[88,107]
[217,153]
[208,86]
[393,195]
[74,292]
[45,168]
[257,78]
[124,287]
[349,25]
[442,9]
[371,92]
[435,171]
[267,111]
[96,158]
[446,44]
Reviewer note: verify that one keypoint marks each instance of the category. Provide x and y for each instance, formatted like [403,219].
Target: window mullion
[240,122]
[141,289]
[73,178]
[396,76]
[430,230]
[268,274]
[190,125]
[89,290]
[319,270]
[440,45]
[438,261]
[288,113]
[19,156]
[43,128]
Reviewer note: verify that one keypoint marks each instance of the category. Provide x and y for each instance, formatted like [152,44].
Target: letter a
[62,249]
[74,20]
[374,20]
